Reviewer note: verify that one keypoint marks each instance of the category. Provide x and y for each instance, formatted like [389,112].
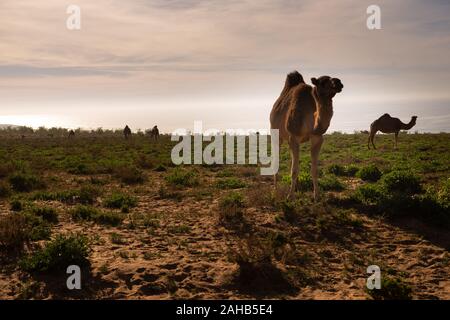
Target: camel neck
[323,114]
[407,126]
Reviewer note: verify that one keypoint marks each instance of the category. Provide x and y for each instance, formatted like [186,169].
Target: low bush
[47,213]
[401,182]
[231,208]
[24,182]
[179,177]
[14,232]
[129,175]
[391,289]
[369,173]
[88,213]
[119,200]
[5,190]
[230,183]
[58,254]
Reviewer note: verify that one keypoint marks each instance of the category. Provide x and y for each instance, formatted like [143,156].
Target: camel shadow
[55,285]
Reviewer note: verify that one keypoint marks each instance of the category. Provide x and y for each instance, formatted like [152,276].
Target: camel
[127,132]
[303,113]
[71,134]
[154,133]
[387,124]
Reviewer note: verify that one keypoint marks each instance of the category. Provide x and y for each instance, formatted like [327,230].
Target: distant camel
[127,132]
[71,134]
[154,133]
[387,124]
[303,113]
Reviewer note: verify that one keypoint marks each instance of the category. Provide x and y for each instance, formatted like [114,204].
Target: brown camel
[387,124]
[303,113]
[127,132]
[154,133]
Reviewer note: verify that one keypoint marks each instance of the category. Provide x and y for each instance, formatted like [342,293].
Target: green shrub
[47,213]
[23,182]
[331,183]
[58,254]
[391,289]
[289,210]
[88,213]
[304,182]
[6,169]
[88,194]
[144,161]
[231,208]
[339,170]
[120,200]
[68,196]
[336,169]
[109,218]
[160,168]
[5,190]
[14,231]
[230,183]
[16,205]
[129,175]
[369,194]
[39,228]
[402,182]
[179,177]
[84,213]
[369,173]
[443,194]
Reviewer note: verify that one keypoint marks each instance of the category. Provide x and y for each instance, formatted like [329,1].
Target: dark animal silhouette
[127,132]
[154,133]
[71,134]
[388,124]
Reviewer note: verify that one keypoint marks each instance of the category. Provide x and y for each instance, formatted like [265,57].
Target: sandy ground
[161,263]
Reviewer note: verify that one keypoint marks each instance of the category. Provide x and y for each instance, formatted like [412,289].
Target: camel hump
[294,78]
[386,115]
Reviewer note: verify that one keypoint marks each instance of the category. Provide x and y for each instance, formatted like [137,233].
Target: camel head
[327,86]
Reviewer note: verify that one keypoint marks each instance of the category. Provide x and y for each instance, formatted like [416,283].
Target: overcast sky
[170,62]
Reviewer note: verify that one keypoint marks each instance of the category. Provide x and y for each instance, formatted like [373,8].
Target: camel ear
[314,81]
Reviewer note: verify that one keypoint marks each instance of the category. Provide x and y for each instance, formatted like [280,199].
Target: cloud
[217,50]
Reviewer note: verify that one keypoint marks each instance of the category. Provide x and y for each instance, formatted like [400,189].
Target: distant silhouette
[387,124]
[154,133]
[303,113]
[127,132]
[71,134]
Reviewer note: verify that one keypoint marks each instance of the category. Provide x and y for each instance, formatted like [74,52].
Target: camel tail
[294,78]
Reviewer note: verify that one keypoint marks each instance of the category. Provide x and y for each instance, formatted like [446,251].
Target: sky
[223,62]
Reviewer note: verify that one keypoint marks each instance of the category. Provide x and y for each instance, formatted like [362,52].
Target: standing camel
[303,113]
[387,124]
[154,133]
[127,132]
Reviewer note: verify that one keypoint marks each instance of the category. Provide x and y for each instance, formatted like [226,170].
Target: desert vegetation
[140,227]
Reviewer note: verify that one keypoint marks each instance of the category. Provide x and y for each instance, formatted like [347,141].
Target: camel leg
[396,139]
[294,149]
[372,138]
[316,144]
